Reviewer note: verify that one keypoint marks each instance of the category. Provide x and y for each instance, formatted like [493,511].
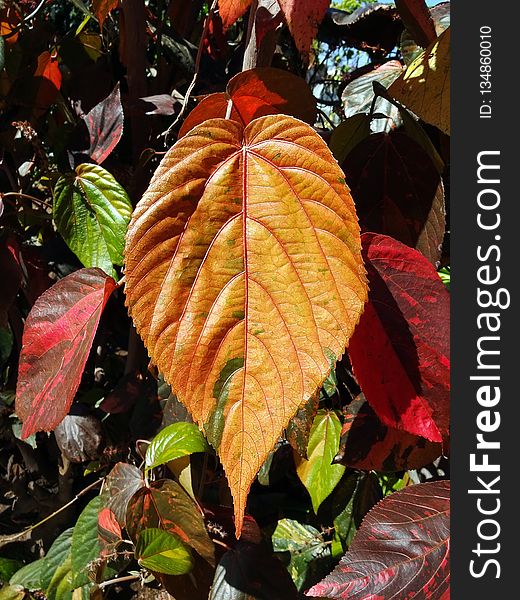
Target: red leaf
[303,18]
[57,338]
[211,106]
[232,10]
[121,484]
[418,20]
[400,348]
[105,126]
[368,445]
[108,528]
[257,93]
[400,551]
[102,8]
[49,71]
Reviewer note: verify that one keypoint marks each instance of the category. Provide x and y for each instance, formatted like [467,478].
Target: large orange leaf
[243,276]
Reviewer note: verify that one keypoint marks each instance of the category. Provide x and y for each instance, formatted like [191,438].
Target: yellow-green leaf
[162,552]
[425,85]
[317,473]
[243,275]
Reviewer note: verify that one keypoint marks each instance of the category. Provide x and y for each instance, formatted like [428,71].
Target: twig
[196,73]
[25,20]
[26,197]
[7,539]
[105,584]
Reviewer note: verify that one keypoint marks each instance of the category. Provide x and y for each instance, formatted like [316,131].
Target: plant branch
[26,197]
[105,584]
[25,20]
[7,539]
[198,59]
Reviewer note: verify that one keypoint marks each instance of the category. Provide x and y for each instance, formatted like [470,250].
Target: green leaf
[29,576]
[174,441]
[445,275]
[61,584]
[92,211]
[85,541]
[344,522]
[317,473]
[8,567]
[12,592]
[57,555]
[305,545]
[162,552]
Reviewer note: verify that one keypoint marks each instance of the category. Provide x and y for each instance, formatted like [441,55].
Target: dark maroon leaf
[167,506]
[79,437]
[195,585]
[368,444]
[126,393]
[398,191]
[250,572]
[121,484]
[57,338]
[105,126]
[400,551]
[400,348]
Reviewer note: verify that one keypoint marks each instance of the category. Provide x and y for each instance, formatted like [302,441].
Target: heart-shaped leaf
[400,551]
[91,211]
[424,87]
[403,336]
[121,484]
[174,441]
[162,552]
[316,472]
[243,277]
[167,506]
[57,338]
[256,93]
